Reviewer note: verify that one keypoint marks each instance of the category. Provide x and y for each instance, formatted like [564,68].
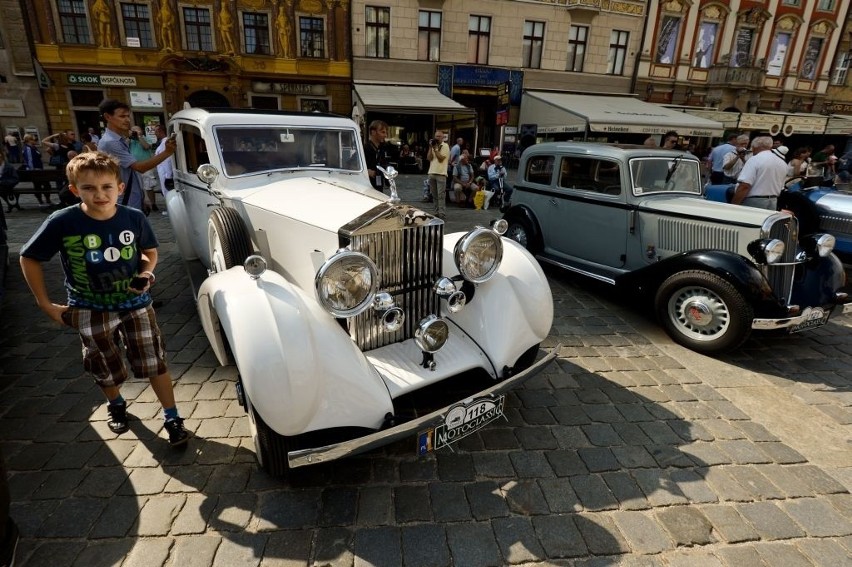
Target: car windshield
[248,150]
[665,174]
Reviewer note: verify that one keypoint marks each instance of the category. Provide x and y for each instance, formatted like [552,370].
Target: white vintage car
[353,320]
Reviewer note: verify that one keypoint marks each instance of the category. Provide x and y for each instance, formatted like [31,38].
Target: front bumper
[318,455]
[807,314]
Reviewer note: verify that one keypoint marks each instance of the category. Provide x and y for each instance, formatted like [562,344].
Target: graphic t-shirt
[99,257]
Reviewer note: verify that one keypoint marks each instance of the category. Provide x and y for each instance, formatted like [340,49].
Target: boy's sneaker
[178,435]
[117,421]
[9,544]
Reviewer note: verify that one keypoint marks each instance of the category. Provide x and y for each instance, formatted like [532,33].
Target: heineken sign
[90,79]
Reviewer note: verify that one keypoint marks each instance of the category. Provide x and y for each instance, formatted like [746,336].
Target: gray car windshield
[665,174]
[248,150]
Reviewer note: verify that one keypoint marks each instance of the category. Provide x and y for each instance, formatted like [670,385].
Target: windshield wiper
[673,167]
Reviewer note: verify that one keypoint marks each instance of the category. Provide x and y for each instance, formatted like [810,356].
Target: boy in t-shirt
[108,254]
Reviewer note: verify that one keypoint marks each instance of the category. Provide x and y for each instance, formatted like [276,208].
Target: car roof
[616,151]
[253,117]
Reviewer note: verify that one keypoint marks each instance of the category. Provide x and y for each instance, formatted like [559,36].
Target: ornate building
[160,54]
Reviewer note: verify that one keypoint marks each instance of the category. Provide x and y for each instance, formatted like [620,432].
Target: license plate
[816,318]
[460,421]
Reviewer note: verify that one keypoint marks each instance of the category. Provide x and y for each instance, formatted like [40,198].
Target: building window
[378,32]
[137,23]
[667,40]
[265,102]
[72,17]
[578,37]
[617,52]
[741,57]
[791,2]
[429,36]
[314,104]
[196,22]
[533,42]
[256,33]
[312,37]
[778,54]
[478,39]
[826,5]
[810,62]
[706,45]
[841,69]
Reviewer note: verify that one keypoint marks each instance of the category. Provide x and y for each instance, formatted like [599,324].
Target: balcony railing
[748,75]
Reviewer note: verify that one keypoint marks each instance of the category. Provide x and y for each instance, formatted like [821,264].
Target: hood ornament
[390,174]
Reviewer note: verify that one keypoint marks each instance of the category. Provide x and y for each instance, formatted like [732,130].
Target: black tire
[270,448]
[521,232]
[727,314]
[526,359]
[234,244]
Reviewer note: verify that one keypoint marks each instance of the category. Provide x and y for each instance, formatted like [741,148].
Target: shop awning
[839,124]
[799,123]
[407,99]
[559,112]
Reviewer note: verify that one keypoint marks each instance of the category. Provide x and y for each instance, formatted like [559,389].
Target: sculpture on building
[167,26]
[282,22]
[103,22]
[226,27]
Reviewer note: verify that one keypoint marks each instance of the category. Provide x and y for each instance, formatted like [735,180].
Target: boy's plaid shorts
[107,335]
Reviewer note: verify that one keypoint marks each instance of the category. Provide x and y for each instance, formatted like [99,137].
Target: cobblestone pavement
[629,450]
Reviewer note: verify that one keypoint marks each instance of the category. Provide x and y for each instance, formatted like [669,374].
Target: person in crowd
[376,153]
[75,144]
[844,168]
[455,154]
[108,301]
[670,140]
[762,177]
[463,184]
[13,147]
[89,145]
[165,171]
[438,154]
[825,161]
[8,176]
[650,142]
[114,142]
[32,162]
[798,165]
[143,150]
[734,161]
[58,145]
[94,134]
[497,180]
[717,159]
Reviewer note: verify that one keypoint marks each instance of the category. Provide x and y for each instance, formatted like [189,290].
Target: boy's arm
[34,275]
[148,262]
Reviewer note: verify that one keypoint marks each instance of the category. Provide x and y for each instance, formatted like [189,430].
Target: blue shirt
[116,146]
[717,156]
[99,257]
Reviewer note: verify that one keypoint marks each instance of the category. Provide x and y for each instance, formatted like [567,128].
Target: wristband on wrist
[151,275]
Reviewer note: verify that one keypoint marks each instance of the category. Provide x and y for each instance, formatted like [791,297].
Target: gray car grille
[683,234]
[409,261]
[781,277]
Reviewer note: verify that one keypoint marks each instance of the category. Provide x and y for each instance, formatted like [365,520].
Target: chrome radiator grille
[781,277]
[682,234]
[409,261]
[835,224]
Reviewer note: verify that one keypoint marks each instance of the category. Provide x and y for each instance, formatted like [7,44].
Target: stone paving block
[149,551]
[670,456]
[486,500]
[375,505]
[686,525]
[841,415]
[602,412]
[33,457]
[101,553]
[529,464]
[570,415]
[144,481]
[229,478]
[598,459]
[816,479]
[535,438]
[289,510]
[214,427]
[524,497]
[824,552]
[770,521]
[240,550]
[536,398]
[693,486]
[102,482]
[643,534]
[411,503]
[497,464]
[292,548]
[449,502]
[517,540]
[778,553]
[60,484]
[736,556]
[560,495]
[339,506]
[232,512]
[537,416]
[156,516]
[722,429]
[625,489]
[756,432]
[214,451]
[187,478]
[73,517]
[817,517]
[425,546]
[559,536]
[692,558]
[593,492]
[660,433]
[602,435]
[118,517]
[602,537]
[705,454]
[474,545]
[742,451]
[455,467]
[658,487]
[724,485]
[842,503]
[213,393]
[633,457]
[496,438]
[781,453]
[194,515]
[750,478]
[570,437]
[635,413]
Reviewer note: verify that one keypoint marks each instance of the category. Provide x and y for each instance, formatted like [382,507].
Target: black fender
[741,272]
[524,213]
[817,281]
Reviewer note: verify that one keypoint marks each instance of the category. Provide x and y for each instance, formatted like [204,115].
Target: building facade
[161,54]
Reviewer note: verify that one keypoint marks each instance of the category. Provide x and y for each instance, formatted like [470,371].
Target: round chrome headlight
[478,254]
[207,173]
[346,283]
[255,265]
[825,244]
[431,334]
[774,250]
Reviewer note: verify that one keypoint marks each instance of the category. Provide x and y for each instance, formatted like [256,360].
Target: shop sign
[839,107]
[288,88]
[807,124]
[78,79]
[752,121]
[146,99]
[12,107]
[560,129]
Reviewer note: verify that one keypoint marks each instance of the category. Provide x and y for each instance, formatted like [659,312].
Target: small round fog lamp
[825,244]
[500,226]
[431,334]
[255,266]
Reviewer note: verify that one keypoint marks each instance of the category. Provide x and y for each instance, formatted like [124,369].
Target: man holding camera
[497,178]
[438,154]
[734,160]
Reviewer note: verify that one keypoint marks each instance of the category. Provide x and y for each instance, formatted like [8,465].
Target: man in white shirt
[164,169]
[762,178]
[734,161]
[717,156]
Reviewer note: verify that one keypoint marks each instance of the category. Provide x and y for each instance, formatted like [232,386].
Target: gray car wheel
[520,232]
[703,312]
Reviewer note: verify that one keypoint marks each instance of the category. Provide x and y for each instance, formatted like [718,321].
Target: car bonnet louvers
[406,245]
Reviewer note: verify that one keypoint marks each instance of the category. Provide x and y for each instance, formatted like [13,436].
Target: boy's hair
[96,162]
[110,105]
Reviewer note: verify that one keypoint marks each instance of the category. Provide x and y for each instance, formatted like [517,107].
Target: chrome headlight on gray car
[767,251]
[478,254]
[346,283]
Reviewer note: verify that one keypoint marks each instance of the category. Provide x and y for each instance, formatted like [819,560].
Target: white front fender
[179,220]
[300,370]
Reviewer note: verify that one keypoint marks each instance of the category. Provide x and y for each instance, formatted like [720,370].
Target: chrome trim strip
[317,455]
[576,270]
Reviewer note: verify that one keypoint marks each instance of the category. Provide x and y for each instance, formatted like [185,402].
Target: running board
[576,270]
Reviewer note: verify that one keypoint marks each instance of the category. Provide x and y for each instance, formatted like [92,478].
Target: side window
[599,176]
[194,151]
[539,170]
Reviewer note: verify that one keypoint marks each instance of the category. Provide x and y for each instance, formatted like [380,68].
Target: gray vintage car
[634,217]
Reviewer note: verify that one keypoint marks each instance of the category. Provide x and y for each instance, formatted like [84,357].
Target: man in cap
[497,178]
[762,177]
